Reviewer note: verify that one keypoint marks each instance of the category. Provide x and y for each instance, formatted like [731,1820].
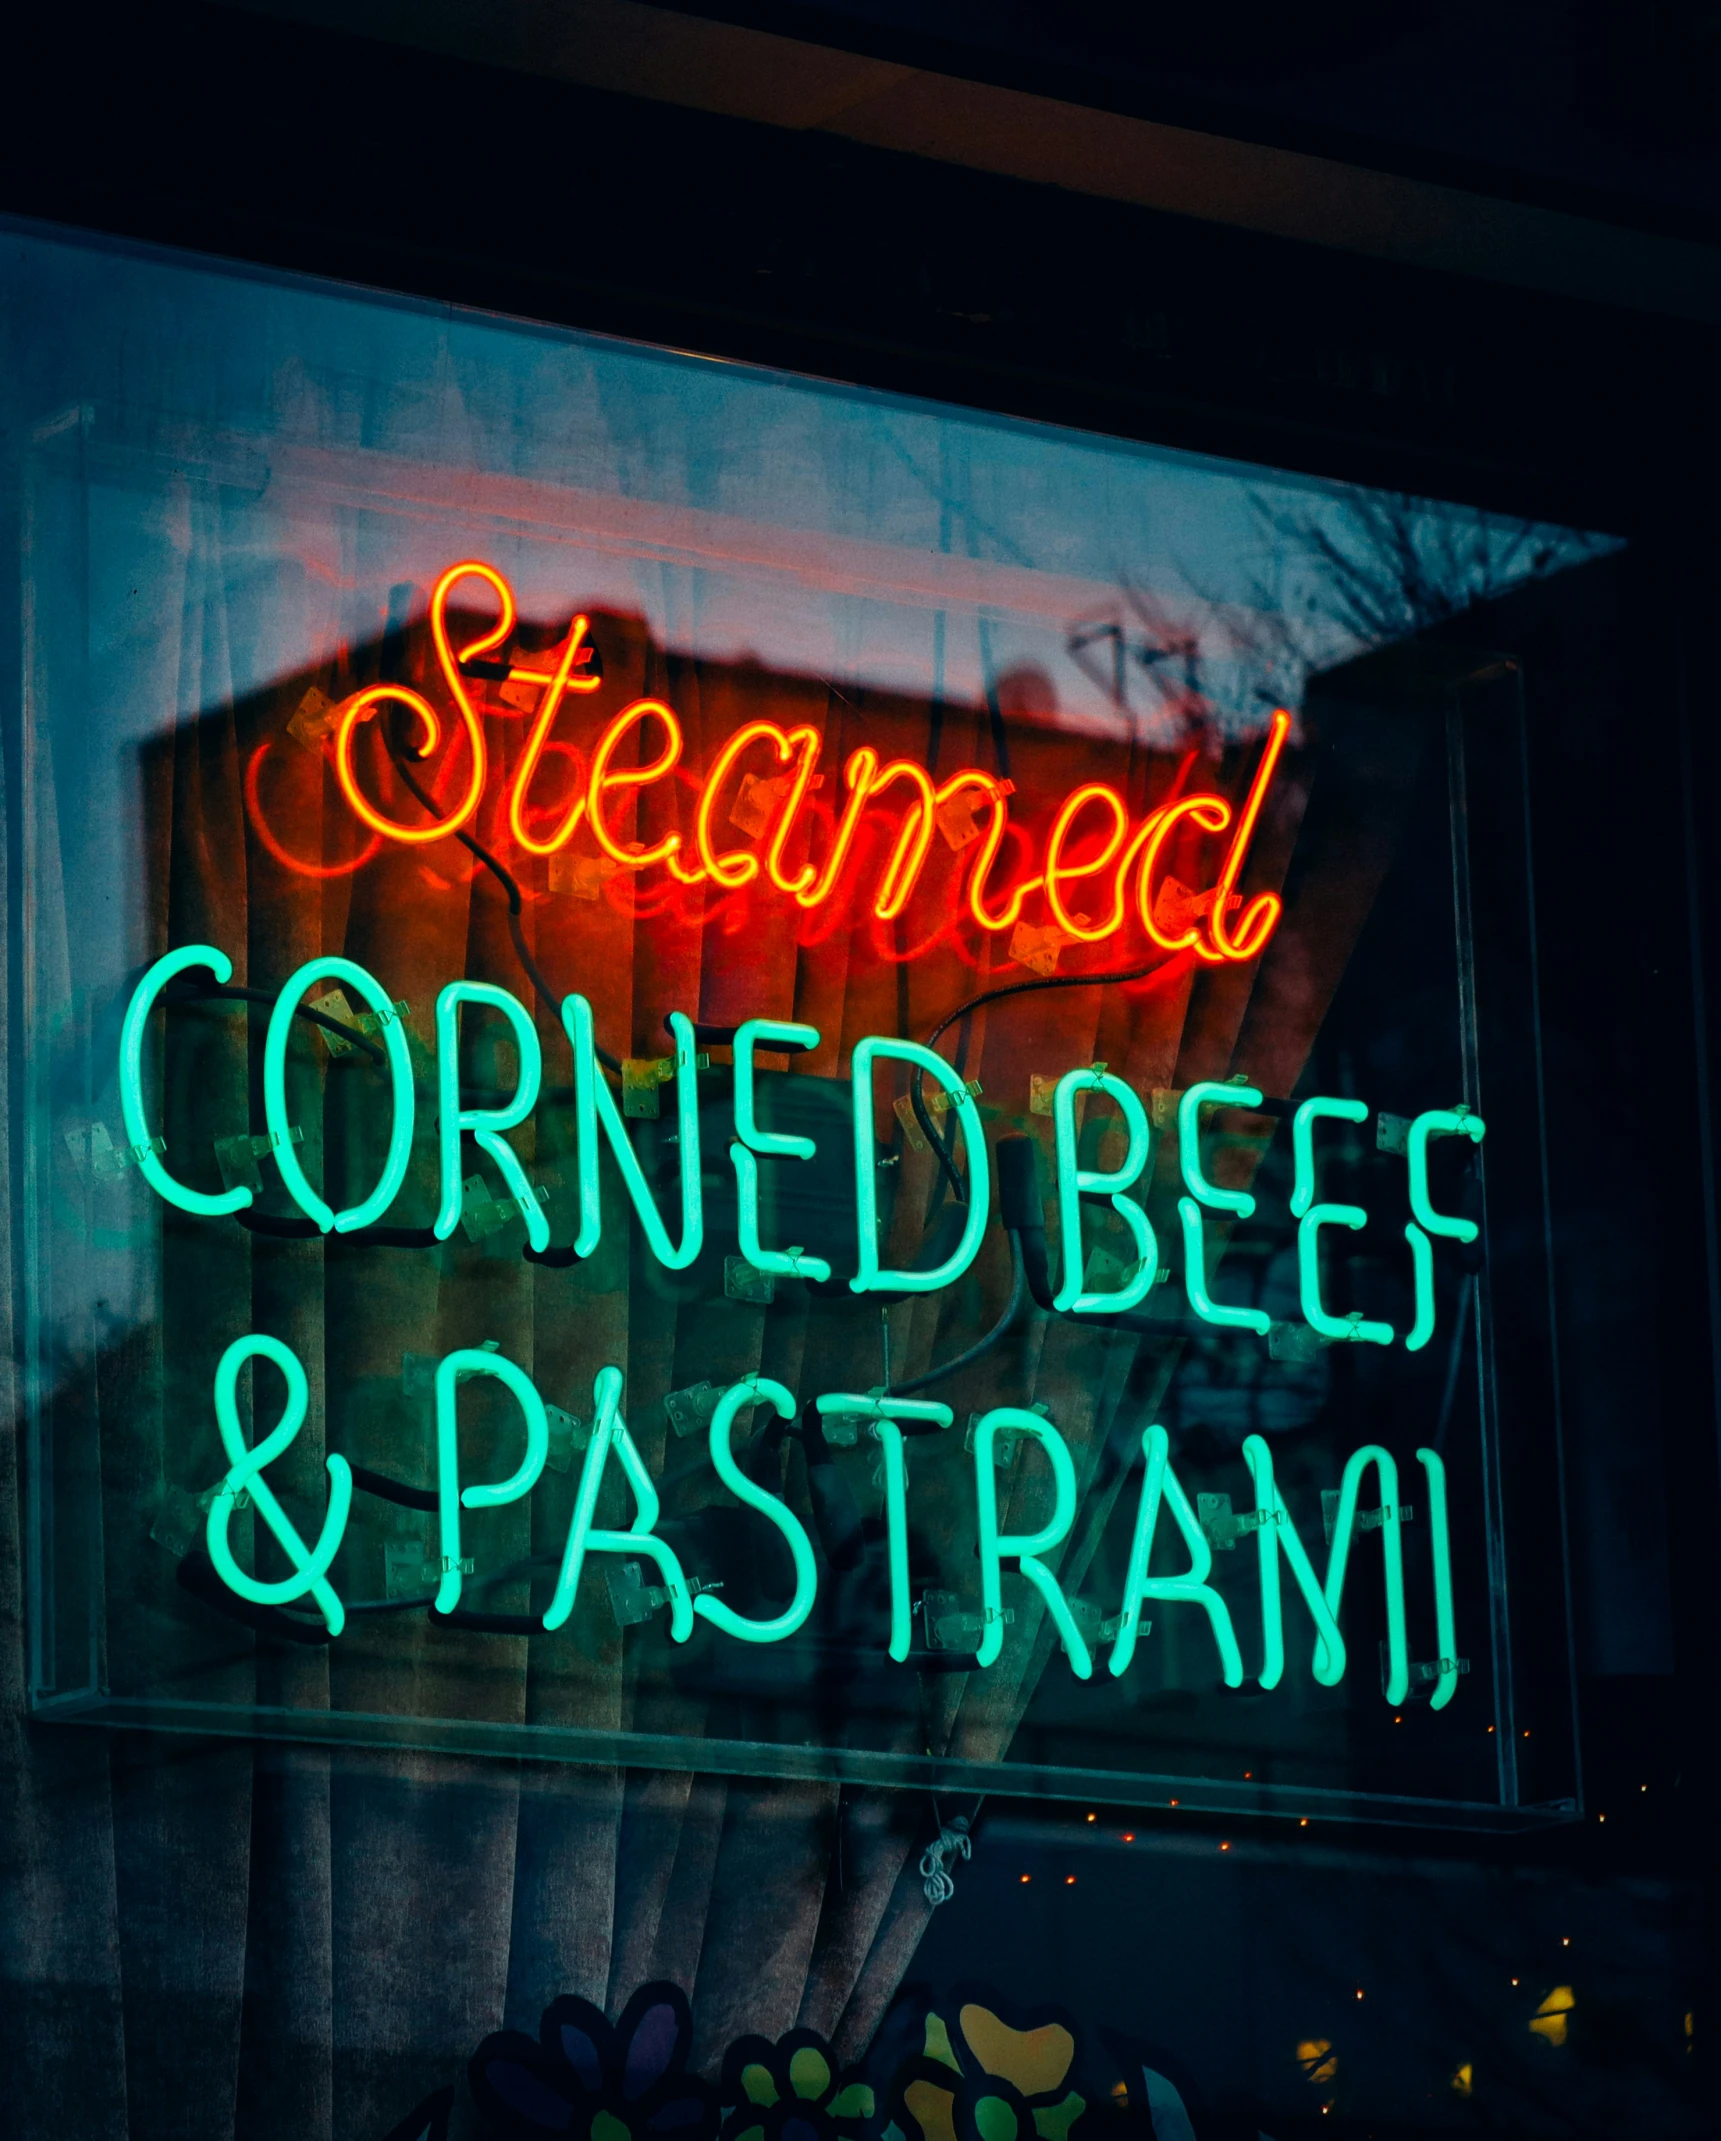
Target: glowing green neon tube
[1025,1547]
[1208,1093]
[1392,1551]
[137,1130]
[1303,1142]
[1440,1548]
[485,1124]
[1439,1122]
[594,1106]
[310,1564]
[1422,1261]
[1161,1485]
[275,1095]
[759,1390]
[1195,1279]
[450,1495]
[1074,1179]
[772,1144]
[1278,1535]
[609,1432]
[1315,1314]
[870,1278]
[896,1538]
[884,1412]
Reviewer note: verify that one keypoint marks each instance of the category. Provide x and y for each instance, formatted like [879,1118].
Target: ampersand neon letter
[245,1476]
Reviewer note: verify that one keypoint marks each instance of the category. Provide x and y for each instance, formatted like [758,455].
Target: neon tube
[594,1106]
[603,780]
[1238,1202]
[884,1412]
[1212,813]
[1422,1266]
[402,1100]
[1161,1485]
[1439,1122]
[871,1277]
[451,1497]
[768,1143]
[1057,870]
[1440,1548]
[741,865]
[1073,1180]
[1315,1314]
[896,1539]
[556,687]
[363,705]
[1221,1313]
[245,1476]
[1392,1552]
[1257,922]
[1209,1093]
[1025,1547]
[1275,1536]
[1303,1142]
[609,1432]
[759,1390]
[485,1124]
[140,1143]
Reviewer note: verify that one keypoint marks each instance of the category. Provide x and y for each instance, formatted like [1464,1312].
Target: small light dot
[1069,1880]
[1303,1824]
[1490,1728]
[1026,1878]
[1643,1787]
[1359,1992]
[1566,1943]
[1224,1847]
[1514,1981]
[1174,1802]
[1129,1836]
[1601,1817]
[1248,1776]
[1093,1817]
[1526,1732]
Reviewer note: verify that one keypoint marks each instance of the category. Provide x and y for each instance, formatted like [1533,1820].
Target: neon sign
[598,1123]
[1092,840]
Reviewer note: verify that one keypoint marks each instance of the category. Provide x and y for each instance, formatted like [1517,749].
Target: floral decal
[981,2079]
[792,2091]
[591,2081]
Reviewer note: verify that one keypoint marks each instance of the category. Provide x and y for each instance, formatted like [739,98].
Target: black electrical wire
[1018,1295]
[516,905]
[946,1154]
[199,992]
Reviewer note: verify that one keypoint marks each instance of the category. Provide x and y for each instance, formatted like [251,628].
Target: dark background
[295,147]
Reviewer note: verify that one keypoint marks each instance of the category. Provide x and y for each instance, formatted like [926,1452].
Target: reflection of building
[230,487]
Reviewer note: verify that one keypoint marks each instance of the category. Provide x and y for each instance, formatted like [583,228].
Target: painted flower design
[791,2091]
[980,2079]
[589,2080]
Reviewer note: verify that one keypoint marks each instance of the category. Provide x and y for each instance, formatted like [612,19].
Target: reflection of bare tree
[1339,577]
[1384,565]
[1329,577]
